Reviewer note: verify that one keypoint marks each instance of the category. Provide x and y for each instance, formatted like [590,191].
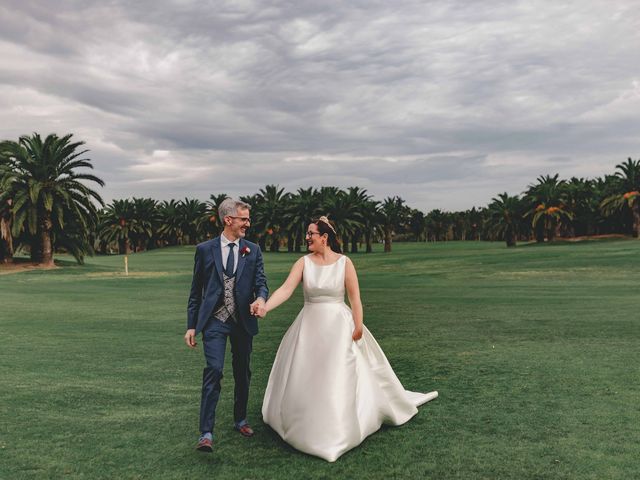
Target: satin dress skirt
[327,393]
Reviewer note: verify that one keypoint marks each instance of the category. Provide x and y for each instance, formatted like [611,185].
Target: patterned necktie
[228,271]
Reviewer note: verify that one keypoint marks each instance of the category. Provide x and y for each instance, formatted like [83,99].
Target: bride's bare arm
[353,291]
[283,293]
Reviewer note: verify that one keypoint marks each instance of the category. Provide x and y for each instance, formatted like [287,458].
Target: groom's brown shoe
[245,430]
[205,445]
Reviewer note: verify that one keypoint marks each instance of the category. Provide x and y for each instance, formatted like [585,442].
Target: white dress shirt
[224,245]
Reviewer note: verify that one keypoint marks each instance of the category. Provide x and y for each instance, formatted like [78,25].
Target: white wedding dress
[327,393]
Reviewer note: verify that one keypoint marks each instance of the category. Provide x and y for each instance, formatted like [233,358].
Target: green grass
[534,351]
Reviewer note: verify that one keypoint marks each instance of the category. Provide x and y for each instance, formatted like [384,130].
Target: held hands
[258,309]
[190,338]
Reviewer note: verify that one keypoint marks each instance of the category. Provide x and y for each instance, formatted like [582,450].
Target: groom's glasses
[242,219]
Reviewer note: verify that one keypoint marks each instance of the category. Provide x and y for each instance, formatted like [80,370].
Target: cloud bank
[444,103]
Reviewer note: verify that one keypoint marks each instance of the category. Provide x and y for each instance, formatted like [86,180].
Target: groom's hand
[190,338]
[257,308]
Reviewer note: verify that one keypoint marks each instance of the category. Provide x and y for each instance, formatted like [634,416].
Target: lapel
[241,260]
[217,257]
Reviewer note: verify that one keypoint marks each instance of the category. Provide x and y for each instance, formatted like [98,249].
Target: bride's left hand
[357,333]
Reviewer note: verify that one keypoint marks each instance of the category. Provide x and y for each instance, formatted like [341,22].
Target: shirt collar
[224,241]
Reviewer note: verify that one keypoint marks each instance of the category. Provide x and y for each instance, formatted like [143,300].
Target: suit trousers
[214,340]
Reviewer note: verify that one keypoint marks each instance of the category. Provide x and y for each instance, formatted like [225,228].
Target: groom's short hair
[230,206]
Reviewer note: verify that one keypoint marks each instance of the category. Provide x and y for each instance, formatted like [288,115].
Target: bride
[331,385]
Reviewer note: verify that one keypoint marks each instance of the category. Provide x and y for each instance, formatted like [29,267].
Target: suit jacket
[207,285]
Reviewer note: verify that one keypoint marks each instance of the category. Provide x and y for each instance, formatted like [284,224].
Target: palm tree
[170,229]
[345,215]
[550,217]
[371,222]
[628,193]
[437,225]
[325,194]
[120,224]
[582,203]
[604,187]
[393,214]
[288,227]
[505,217]
[270,203]
[194,218]
[549,210]
[459,225]
[211,223]
[48,193]
[418,224]
[475,218]
[357,198]
[6,238]
[301,209]
[256,233]
[147,217]
[76,238]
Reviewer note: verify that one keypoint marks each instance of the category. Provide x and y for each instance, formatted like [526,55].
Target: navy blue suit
[207,290]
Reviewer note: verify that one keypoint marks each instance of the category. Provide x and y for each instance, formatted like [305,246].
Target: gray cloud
[420,99]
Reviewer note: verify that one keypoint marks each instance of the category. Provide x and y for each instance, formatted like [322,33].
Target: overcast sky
[445,103]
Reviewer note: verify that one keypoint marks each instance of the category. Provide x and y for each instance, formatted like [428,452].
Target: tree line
[47,205]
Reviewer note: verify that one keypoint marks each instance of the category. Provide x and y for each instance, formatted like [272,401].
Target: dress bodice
[323,283]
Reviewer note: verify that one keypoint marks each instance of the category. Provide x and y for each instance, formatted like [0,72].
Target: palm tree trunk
[6,241]
[45,241]
[124,246]
[539,232]
[5,256]
[290,242]
[510,237]
[354,243]
[35,248]
[635,209]
[551,231]
[368,241]
[387,240]
[298,247]
[275,243]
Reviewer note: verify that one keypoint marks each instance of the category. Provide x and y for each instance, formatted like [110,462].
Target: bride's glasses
[310,233]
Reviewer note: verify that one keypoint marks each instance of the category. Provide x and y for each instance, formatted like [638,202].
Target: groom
[228,288]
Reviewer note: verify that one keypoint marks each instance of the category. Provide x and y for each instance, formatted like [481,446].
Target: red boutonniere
[245,251]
